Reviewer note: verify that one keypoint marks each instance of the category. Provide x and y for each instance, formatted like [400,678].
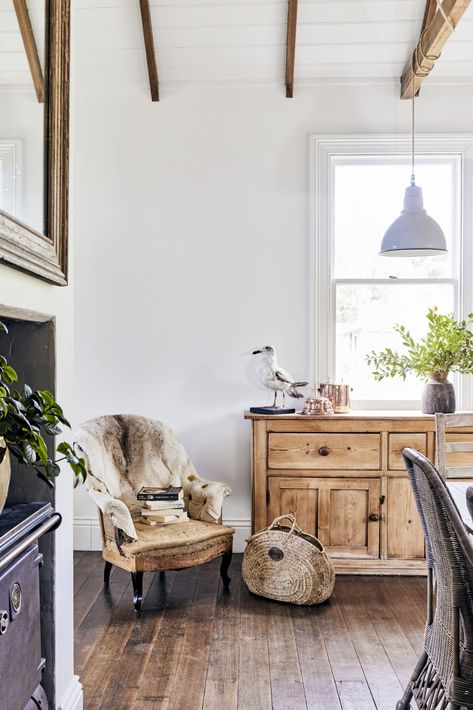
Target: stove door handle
[51,524]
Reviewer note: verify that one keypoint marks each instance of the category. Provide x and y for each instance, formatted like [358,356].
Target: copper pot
[339,396]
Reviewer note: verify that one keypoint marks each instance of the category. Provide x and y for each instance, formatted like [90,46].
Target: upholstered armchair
[123,453]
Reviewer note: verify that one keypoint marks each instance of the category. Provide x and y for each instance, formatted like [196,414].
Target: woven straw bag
[287,564]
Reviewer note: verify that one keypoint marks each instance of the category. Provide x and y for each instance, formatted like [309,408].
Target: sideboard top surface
[356,414]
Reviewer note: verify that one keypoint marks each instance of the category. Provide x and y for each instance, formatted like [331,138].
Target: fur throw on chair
[125,452]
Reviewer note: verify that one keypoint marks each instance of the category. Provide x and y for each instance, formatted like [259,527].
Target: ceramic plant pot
[438,395]
[4,478]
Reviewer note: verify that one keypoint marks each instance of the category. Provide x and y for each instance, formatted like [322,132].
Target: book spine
[158,496]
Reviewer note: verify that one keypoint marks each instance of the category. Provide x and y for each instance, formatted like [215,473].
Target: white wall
[193,247]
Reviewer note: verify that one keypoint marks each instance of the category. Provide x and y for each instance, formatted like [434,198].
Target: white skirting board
[73,698]
[87,533]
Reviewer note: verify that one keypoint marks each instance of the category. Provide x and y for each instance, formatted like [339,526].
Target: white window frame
[324,152]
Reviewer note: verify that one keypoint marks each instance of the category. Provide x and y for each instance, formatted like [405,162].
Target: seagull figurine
[275,378]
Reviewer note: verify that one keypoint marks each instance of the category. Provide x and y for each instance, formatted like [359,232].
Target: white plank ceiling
[231,42]
[14,68]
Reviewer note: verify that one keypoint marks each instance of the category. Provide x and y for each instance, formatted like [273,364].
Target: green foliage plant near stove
[26,418]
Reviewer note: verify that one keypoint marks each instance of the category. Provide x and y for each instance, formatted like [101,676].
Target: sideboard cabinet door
[405,535]
[343,514]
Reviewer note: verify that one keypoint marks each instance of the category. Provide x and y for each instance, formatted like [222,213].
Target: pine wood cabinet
[343,476]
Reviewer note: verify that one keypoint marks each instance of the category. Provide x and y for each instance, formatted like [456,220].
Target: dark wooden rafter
[436,29]
[429,12]
[31,49]
[149,49]
[291,46]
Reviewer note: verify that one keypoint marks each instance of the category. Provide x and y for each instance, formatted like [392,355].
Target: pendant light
[414,233]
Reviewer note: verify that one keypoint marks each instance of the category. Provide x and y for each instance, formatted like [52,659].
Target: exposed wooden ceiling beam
[435,33]
[291,46]
[149,49]
[429,12]
[31,50]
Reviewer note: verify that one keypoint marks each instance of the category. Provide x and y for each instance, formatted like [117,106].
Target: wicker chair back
[448,640]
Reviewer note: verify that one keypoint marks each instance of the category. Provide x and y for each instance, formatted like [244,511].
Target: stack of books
[162,506]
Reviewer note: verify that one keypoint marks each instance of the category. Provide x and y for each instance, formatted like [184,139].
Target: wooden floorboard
[382,680]
[160,671]
[254,683]
[87,563]
[320,688]
[409,616]
[193,659]
[390,632]
[99,616]
[196,646]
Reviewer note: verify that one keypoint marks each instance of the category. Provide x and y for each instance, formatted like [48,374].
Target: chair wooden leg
[225,564]
[106,574]
[137,581]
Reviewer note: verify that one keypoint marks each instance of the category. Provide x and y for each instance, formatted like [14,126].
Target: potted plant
[447,347]
[26,416]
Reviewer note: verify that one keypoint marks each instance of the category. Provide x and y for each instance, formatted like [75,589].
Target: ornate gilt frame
[22,247]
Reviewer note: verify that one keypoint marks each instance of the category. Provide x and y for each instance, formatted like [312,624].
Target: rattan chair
[443,676]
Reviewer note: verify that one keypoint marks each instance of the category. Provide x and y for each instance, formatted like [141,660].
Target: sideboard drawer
[398,442]
[324,451]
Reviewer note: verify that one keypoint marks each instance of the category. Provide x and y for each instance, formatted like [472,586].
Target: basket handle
[289,516]
[294,525]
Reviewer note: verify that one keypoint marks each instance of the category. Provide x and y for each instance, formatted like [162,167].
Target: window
[358,187]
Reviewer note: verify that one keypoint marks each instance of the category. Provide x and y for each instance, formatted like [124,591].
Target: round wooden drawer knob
[324,451]
[374,517]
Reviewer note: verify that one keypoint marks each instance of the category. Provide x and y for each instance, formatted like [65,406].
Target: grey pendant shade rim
[410,252]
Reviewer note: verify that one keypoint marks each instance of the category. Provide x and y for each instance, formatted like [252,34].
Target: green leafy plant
[26,416]
[447,347]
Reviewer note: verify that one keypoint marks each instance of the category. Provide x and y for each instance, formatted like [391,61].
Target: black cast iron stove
[21,661]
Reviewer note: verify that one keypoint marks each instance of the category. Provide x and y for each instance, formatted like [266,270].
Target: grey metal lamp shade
[413,233]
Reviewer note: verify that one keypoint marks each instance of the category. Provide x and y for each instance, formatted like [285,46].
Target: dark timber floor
[195,646]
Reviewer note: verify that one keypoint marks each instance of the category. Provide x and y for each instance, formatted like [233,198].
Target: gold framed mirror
[34,158]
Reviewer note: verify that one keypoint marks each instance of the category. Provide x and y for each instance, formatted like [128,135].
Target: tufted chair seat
[125,452]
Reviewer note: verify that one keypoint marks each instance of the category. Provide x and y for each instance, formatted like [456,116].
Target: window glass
[368,197]
[365,317]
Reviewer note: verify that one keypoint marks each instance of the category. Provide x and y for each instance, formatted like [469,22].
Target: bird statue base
[272,410]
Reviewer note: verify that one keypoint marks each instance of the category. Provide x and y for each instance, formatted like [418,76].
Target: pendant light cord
[413,177]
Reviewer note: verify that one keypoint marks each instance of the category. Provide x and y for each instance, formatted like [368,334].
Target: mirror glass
[22,114]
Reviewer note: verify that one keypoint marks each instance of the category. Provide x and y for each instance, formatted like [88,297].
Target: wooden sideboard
[344,478]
